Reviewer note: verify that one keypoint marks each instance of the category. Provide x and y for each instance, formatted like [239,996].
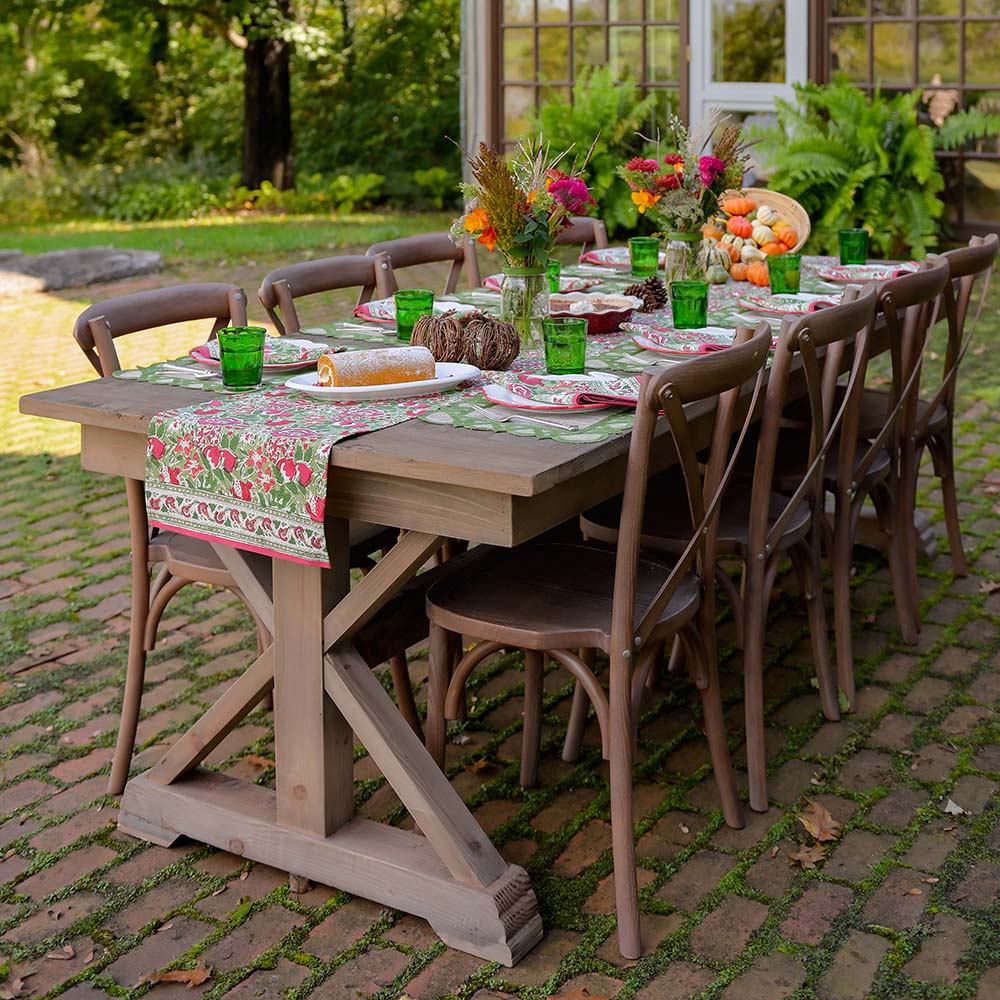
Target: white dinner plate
[447,376]
[202,354]
[504,397]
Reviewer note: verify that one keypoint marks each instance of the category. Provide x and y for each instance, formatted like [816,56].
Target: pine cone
[652,291]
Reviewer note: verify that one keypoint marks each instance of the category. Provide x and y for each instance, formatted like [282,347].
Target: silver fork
[188,372]
[502,418]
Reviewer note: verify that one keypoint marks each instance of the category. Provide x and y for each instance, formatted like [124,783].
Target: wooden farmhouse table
[438,483]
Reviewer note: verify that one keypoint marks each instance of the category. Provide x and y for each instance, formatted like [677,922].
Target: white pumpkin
[766,215]
[750,253]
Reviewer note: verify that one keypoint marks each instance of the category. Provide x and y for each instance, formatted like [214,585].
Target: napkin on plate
[282,350]
[567,283]
[787,303]
[384,310]
[613,257]
[570,390]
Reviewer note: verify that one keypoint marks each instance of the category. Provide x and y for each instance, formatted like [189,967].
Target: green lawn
[233,237]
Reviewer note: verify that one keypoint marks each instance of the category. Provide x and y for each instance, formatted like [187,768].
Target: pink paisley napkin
[570,390]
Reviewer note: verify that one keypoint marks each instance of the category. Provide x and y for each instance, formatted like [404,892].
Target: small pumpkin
[757,273]
[739,226]
[788,236]
[717,274]
[750,253]
[738,206]
[766,215]
[730,250]
[738,272]
[762,234]
[718,256]
[774,248]
[711,231]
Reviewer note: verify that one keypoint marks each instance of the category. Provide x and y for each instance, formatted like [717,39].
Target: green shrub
[868,162]
[612,111]
[436,186]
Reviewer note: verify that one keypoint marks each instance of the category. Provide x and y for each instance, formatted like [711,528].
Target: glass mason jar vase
[684,259]
[524,302]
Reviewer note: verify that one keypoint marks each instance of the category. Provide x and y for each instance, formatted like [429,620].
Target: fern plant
[614,112]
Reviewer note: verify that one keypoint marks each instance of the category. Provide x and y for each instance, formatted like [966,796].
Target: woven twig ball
[491,344]
[444,336]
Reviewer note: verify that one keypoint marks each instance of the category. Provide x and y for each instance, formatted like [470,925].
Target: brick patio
[904,905]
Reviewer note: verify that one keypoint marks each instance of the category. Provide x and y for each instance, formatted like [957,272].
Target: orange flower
[488,238]
[477,220]
[532,195]
[644,200]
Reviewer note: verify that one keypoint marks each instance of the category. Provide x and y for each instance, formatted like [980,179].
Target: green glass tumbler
[552,271]
[241,356]
[644,252]
[785,272]
[565,345]
[411,304]
[853,246]
[689,302]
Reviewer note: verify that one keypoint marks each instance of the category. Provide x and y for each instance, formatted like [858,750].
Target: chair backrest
[98,326]
[282,286]
[819,341]
[429,248]
[583,229]
[966,266]
[725,375]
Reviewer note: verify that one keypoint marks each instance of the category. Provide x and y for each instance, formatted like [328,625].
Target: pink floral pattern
[251,470]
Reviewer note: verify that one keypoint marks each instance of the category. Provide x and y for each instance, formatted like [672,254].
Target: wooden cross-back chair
[428,248]
[767,516]
[553,598]
[181,559]
[282,286]
[582,229]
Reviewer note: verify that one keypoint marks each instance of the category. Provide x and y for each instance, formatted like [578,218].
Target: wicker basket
[788,208]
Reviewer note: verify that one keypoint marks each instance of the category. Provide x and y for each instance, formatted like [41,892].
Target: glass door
[744,53]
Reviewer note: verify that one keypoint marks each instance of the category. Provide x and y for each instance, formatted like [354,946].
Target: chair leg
[439,673]
[622,807]
[578,713]
[404,693]
[906,608]
[455,654]
[168,586]
[944,464]
[906,508]
[531,739]
[754,615]
[841,554]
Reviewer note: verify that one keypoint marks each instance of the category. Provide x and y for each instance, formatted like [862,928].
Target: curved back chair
[554,598]
[591,233]
[429,248]
[282,286]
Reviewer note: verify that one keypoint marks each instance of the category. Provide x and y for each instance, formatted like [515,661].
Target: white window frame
[705,93]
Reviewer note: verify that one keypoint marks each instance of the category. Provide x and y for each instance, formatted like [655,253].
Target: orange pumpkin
[711,231]
[774,247]
[738,272]
[734,254]
[738,206]
[788,236]
[757,273]
[739,226]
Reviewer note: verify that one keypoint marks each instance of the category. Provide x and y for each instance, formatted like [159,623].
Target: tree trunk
[267,117]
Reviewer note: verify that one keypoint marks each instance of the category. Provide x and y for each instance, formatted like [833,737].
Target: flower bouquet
[519,207]
[681,191]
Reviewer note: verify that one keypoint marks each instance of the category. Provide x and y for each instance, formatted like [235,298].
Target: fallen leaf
[17,987]
[219,892]
[258,761]
[482,766]
[64,954]
[89,957]
[953,808]
[950,829]
[684,829]
[989,586]
[189,977]
[774,850]
[930,880]
[870,618]
[818,822]
[166,926]
[244,875]
[807,857]
[914,892]
[54,914]
[459,740]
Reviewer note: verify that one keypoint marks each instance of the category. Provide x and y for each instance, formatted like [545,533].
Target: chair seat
[875,406]
[793,450]
[550,596]
[667,523]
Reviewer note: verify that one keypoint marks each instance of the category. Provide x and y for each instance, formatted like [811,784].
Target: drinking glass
[565,345]
[241,356]
[784,270]
[853,246]
[644,252]
[689,302]
[553,269]
[411,304]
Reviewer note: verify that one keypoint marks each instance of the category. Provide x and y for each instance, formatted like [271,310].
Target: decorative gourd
[729,250]
[788,237]
[738,206]
[717,274]
[491,343]
[711,231]
[734,241]
[766,215]
[739,226]
[750,253]
[773,248]
[757,273]
[716,256]
[762,234]
[738,272]
[444,336]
